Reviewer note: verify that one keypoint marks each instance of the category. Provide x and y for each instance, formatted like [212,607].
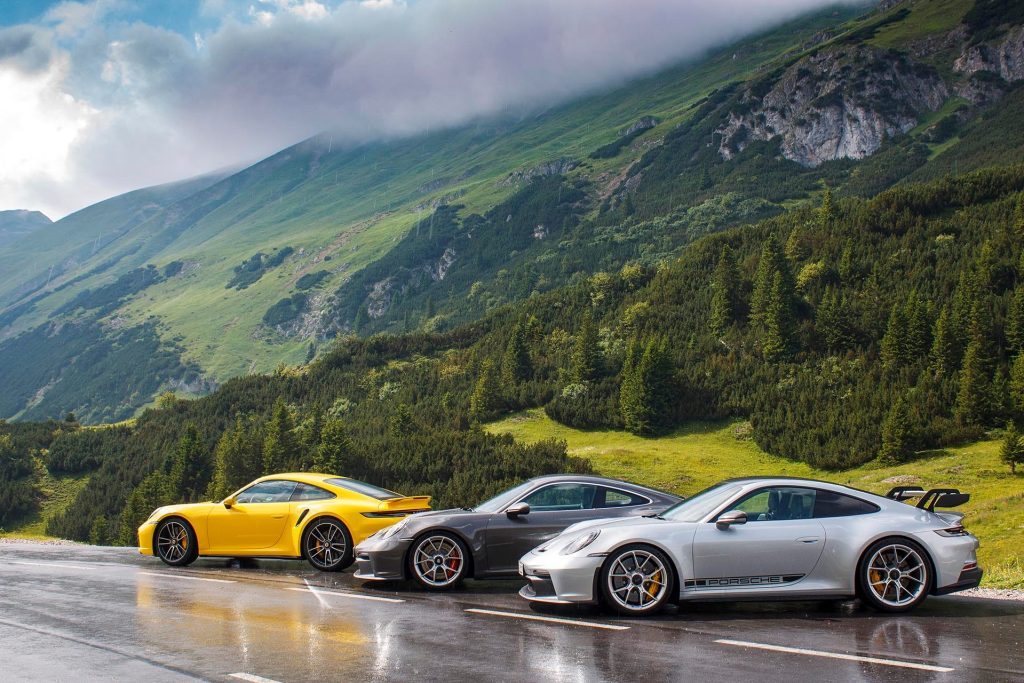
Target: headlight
[581,542]
[393,529]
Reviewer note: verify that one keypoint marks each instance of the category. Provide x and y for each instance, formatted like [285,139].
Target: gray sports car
[439,549]
[764,539]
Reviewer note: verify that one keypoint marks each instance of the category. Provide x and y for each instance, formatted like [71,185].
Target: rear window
[309,492]
[832,504]
[363,488]
[616,498]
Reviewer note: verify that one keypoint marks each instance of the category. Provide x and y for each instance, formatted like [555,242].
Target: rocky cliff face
[1005,58]
[839,104]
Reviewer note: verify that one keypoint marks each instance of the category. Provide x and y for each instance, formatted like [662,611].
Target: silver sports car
[763,539]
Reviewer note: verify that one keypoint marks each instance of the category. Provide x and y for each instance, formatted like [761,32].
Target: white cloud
[122,105]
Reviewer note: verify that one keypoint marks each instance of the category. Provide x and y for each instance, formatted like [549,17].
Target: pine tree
[99,533]
[795,250]
[401,424]
[334,454]
[1016,389]
[771,263]
[645,397]
[831,322]
[585,363]
[361,320]
[847,269]
[779,325]
[1015,321]
[945,353]
[725,293]
[827,212]
[154,491]
[896,434]
[516,366]
[918,340]
[1018,214]
[231,462]
[280,447]
[972,397]
[1011,452]
[190,470]
[894,342]
[486,398]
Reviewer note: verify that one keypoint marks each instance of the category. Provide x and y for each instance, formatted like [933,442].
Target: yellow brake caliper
[654,585]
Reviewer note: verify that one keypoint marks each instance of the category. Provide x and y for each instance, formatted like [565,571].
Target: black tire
[894,575]
[629,574]
[174,542]
[438,561]
[327,545]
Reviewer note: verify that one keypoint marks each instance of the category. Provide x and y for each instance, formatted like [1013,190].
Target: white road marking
[553,620]
[165,575]
[50,564]
[252,678]
[358,596]
[837,655]
[323,602]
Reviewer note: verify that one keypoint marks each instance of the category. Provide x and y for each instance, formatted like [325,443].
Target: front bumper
[559,579]
[969,578]
[146,532]
[380,560]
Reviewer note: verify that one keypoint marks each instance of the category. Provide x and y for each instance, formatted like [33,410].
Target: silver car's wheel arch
[673,565]
[861,581]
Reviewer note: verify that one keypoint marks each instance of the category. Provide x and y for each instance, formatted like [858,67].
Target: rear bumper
[969,578]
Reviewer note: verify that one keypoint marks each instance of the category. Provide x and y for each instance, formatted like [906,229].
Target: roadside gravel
[994,593]
[35,541]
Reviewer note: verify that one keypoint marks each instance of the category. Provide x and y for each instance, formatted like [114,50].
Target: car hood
[181,508]
[613,523]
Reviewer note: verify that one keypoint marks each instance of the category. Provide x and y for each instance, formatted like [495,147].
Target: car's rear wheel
[438,561]
[327,545]
[176,542]
[637,580]
[894,575]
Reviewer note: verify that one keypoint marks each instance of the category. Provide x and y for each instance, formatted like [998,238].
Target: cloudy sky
[103,96]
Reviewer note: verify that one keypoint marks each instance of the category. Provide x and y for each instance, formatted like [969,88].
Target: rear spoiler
[406,504]
[931,499]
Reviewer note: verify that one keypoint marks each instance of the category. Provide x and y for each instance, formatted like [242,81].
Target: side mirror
[229,502]
[518,509]
[727,519]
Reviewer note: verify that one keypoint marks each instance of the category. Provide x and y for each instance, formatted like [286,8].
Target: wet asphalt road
[83,613]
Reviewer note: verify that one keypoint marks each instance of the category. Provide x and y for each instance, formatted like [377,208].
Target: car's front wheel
[327,545]
[176,542]
[894,575]
[438,561]
[637,580]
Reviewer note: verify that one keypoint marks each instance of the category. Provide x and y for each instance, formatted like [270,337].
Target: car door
[779,543]
[255,521]
[553,507]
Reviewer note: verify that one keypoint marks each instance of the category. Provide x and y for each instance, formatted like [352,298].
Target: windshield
[506,498]
[699,506]
[363,488]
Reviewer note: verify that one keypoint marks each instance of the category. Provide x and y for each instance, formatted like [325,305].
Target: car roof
[304,477]
[604,481]
[797,481]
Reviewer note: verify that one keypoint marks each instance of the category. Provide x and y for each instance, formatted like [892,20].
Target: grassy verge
[702,453]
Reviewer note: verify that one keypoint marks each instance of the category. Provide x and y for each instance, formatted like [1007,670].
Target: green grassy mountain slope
[267,264]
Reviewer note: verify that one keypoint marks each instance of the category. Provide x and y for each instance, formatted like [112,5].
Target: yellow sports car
[318,517]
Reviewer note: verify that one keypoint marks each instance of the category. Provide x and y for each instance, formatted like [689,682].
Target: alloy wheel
[438,561]
[897,575]
[172,542]
[326,544]
[637,579]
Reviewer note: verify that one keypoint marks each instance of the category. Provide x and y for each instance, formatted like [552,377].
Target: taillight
[957,530]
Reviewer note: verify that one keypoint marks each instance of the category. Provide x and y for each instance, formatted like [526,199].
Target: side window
[274,491]
[617,498]
[562,497]
[309,492]
[778,504]
[832,504]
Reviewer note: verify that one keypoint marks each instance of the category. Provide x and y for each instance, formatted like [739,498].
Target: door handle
[808,539]
[278,516]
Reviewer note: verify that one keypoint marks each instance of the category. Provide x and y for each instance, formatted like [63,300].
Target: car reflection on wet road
[82,613]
